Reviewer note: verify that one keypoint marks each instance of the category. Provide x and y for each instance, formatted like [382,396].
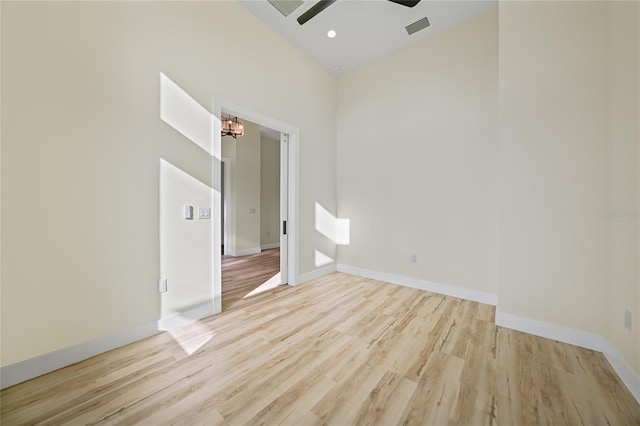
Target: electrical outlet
[627,319]
[414,258]
[162,285]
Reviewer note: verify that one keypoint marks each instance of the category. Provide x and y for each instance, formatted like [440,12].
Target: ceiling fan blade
[408,3]
[315,9]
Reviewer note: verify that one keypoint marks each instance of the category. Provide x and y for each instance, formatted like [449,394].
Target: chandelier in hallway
[232,126]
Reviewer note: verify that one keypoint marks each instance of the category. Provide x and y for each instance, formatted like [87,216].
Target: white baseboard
[578,338]
[269,246]
[186,317]
[28,369]
[628,376]
[449,290]
[316,273]
[551,331]
[246,252]
[46,363]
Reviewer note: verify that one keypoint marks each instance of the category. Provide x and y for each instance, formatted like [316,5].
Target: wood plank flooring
[242,275]
[340,350]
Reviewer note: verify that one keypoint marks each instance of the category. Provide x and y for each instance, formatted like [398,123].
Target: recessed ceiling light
[337,68]
[331,34]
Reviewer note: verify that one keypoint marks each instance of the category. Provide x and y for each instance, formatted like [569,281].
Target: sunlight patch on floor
[272,282]
[192,337]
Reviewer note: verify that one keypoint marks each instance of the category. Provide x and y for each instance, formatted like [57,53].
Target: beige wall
[269,191]
[246,174]
[417,158]
[82,145]
[1,174]
[228,150]
[254,183]
[185,275]
[623,179]
[568,155]
[552,143]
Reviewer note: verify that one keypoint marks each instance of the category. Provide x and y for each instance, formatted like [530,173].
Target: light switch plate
[204,212]
[188,212]
[627,319]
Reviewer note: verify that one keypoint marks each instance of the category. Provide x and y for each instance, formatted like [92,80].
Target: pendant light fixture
[232,126]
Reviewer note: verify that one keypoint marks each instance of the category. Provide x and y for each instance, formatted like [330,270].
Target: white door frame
[229,246]
[218,105]
[284,207]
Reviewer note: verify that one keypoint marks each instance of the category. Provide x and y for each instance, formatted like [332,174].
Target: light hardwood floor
[242,275]
[340,350]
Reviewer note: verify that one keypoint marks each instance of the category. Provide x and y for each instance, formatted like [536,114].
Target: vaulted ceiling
[365,29]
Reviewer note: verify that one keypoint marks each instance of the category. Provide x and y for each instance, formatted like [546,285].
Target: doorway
[288,208]
[251,195]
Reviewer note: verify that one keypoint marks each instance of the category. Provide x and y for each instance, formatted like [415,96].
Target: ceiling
[366,29]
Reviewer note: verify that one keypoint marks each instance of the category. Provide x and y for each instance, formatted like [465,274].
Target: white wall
[269,191]
[417,158]
[82,145]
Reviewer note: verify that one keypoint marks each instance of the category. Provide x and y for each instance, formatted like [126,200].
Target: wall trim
[46,363]
[448,290]
[578,338]
[247,252]
[625,372]
[186,317]
[547,330]
[316,273]
[42,364]
[269,246]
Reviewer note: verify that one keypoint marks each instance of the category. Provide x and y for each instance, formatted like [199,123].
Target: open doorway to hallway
[251,203]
